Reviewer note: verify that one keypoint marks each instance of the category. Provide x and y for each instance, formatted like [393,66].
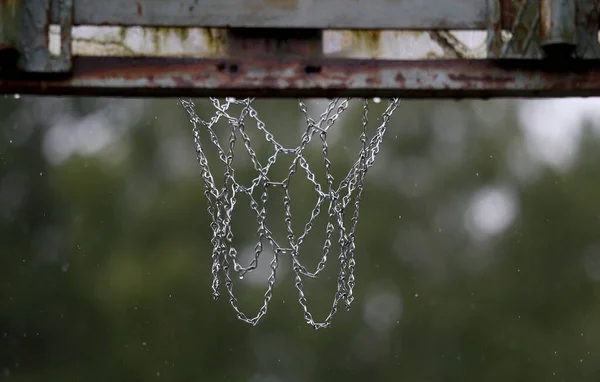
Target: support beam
[269,77]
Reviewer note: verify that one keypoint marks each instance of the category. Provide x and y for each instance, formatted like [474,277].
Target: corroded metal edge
[268,77]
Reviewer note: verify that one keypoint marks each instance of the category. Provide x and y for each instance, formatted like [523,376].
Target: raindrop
[17,96]
[376,99]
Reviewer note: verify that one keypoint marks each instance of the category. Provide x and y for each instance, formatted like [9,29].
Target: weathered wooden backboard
[316,14]
[287,48]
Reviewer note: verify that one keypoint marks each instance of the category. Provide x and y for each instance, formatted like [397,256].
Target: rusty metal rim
[276,78]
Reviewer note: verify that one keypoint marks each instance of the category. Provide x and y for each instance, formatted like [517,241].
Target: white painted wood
[196,42]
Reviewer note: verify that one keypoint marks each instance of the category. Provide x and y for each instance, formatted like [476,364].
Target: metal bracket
[535,29]
[33,44]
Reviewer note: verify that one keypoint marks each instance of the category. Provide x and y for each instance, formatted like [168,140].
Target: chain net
[337,199]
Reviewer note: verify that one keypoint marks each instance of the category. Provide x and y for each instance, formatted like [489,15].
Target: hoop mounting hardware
[527,46]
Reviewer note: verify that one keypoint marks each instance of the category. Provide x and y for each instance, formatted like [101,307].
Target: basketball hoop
[533,48]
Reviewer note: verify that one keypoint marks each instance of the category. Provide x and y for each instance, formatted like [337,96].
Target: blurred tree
[466,269]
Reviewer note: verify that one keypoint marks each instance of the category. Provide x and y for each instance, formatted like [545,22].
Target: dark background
[478,248]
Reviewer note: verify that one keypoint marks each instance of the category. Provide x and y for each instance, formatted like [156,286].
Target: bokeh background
[478,247]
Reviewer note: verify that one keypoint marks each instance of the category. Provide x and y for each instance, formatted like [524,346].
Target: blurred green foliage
[105,253]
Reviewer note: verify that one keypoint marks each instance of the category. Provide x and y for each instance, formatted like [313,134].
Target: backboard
[301,48]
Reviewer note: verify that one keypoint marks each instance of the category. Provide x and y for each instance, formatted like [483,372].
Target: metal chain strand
[222,198]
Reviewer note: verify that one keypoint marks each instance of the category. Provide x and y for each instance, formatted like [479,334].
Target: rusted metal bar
[264,77]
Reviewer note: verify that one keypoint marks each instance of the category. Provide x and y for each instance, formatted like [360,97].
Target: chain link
[221,199]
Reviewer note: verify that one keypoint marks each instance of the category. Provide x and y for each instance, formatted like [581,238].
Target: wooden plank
[318,14]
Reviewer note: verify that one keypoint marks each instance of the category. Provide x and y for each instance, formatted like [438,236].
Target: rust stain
[159,76]
[372,80]
[139,8]
[400,78]
[545,18]
[507,14]
[201,76]
[590,19]
[182,82]
[483,78]
[509,9]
